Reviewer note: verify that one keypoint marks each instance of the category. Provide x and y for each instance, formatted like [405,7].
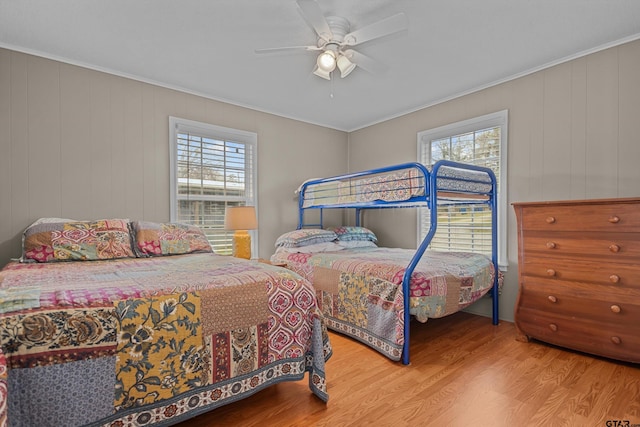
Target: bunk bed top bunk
[401,186]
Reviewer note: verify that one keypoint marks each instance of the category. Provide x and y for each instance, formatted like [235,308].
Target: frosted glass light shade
[322,73]
[345,66]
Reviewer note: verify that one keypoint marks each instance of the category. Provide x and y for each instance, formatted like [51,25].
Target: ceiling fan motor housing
[339,28]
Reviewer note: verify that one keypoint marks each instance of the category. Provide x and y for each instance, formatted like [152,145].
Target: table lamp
[241,219]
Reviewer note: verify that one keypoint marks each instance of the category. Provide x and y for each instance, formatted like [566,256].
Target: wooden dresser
[579,273]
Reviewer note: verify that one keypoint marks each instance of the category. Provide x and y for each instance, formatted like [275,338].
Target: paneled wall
[572,135]
[81,144]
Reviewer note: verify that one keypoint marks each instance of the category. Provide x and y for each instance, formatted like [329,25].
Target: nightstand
[277,264]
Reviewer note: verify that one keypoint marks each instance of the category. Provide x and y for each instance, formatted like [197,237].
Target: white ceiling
[205,47]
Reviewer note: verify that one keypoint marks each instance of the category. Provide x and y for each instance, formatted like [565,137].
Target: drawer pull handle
[616,308]
[614,248]
[551,272]
[550,220]
[614,219]
[616,340]
[553,327]
[551,245]
[614,278]
[553,299]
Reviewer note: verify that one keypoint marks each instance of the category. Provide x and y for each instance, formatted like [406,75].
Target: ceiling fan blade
[385,27]
[365,62]
[312,13]
[287,49]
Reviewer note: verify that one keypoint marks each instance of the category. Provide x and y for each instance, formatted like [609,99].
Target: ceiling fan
[335,40]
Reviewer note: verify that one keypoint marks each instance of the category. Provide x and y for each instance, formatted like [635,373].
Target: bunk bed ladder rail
[432,204]
[302,210]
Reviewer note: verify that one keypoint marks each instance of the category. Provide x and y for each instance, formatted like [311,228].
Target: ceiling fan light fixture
[345,66]
[335,40]
[327,61]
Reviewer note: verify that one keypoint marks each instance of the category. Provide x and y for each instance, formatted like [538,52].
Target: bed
[370,293]
[121,323]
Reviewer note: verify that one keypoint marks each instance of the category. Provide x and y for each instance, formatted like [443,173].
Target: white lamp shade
[240,218]
[345,66]
[322,73]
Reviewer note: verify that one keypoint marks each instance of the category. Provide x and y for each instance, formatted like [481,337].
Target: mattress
[360,290]
[394,187]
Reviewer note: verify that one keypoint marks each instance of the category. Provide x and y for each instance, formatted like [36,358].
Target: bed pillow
[348,233]
[350,244]
[311,249]
[305,237]
[51,240]
[170,238]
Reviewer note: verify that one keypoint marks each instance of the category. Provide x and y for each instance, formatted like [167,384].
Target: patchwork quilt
[144,341]
[360,290]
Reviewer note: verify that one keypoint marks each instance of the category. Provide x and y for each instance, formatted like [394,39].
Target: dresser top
[579,202]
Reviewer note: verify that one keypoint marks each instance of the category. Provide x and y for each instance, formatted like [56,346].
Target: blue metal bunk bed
[446,183]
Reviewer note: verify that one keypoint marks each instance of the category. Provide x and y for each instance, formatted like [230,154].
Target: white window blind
[482,142]
[212,168]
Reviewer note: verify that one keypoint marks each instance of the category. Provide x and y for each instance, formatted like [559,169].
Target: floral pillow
[159,239]
[305,237]
[50,240]
[348,233]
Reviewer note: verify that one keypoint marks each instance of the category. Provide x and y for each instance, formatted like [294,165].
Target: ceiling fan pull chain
[331,86]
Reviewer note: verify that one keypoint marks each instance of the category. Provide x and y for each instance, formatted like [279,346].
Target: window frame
[177,125]
[497,119]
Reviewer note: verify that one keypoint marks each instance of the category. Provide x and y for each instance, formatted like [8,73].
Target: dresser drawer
[601,272]
[615,341]
[614,247]
[604,304]
[613,217]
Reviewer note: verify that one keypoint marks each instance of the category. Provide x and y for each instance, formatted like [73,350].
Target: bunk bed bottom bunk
[360,290]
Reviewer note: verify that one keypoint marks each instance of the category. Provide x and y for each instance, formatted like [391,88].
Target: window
[481,141]
[212,167]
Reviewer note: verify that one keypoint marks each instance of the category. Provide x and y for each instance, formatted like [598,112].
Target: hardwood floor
[464,372]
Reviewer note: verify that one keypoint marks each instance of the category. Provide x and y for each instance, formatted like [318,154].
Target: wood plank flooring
[464,372]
